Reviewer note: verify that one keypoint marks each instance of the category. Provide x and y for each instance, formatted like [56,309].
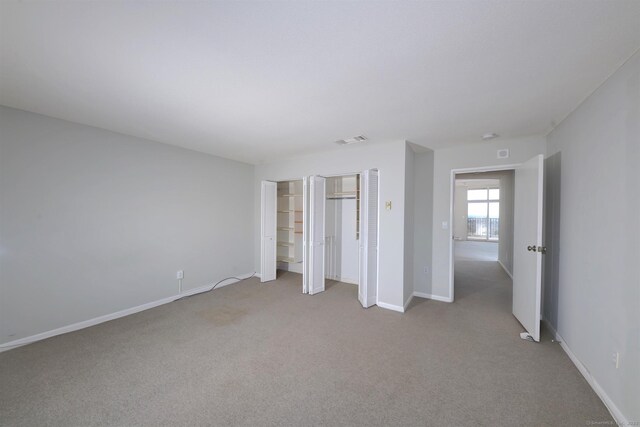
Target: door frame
[452,185]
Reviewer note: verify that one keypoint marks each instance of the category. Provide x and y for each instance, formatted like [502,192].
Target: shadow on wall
[550,262]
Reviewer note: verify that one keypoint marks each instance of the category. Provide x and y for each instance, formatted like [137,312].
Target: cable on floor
[216,285]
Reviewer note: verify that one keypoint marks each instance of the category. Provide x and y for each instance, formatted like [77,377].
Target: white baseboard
[343,279]
[431,296]
[407,302]
[393,307]
[505,269]
[617,415]
[112,316]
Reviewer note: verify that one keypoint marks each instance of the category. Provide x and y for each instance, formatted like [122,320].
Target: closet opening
[320,228]
[290,223]
[342,229]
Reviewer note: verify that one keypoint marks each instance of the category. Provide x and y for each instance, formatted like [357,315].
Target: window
[483,213]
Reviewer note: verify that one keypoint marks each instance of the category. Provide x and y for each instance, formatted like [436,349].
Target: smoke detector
[353,140]
[488,136]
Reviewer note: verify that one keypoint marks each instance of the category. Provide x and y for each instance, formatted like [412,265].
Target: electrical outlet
[615,359]
[180,275]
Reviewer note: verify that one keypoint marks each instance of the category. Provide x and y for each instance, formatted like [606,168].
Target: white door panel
[316,234]
[368,280]
[268,231]
[305,235]
[527,245]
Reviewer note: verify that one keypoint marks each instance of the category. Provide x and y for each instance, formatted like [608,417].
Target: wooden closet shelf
[344,193]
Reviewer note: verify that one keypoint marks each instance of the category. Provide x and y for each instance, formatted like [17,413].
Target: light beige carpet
[264,354]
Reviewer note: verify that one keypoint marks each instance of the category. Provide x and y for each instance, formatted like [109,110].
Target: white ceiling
[253,81]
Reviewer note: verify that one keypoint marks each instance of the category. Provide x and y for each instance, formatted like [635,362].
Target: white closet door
[316,234]
[268,231]
[368,283]
[305,235]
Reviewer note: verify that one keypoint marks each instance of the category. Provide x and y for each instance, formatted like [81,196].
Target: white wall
[469,156]
[460,211]
[389,159]
[93,222]
[598,288]
[423,223]
[507,196]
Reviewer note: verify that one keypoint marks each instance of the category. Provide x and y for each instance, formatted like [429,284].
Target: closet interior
[338,216]
[289,249]
[342,228]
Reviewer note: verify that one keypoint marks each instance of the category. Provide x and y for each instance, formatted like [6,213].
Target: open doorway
[520,247]
[482,231]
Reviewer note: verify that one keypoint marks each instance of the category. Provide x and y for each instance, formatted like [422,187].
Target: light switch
[387,205]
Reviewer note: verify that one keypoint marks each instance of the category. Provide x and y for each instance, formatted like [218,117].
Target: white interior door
[368,282]
[527,245]
[316,234]
[305,235]
[268,231]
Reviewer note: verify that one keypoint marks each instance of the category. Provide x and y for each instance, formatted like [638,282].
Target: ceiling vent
[354,140]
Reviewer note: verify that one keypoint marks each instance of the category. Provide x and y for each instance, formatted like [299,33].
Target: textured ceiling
[254,81]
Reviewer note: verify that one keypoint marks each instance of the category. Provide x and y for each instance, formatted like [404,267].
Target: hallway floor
[475,250]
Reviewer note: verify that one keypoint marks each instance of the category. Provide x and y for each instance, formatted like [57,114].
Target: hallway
[478,273]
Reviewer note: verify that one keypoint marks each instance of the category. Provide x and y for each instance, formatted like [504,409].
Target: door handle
[542,249]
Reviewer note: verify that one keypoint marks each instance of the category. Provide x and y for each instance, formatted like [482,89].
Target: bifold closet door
[305,235]
[368,283]
[317,199]
[268,231]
